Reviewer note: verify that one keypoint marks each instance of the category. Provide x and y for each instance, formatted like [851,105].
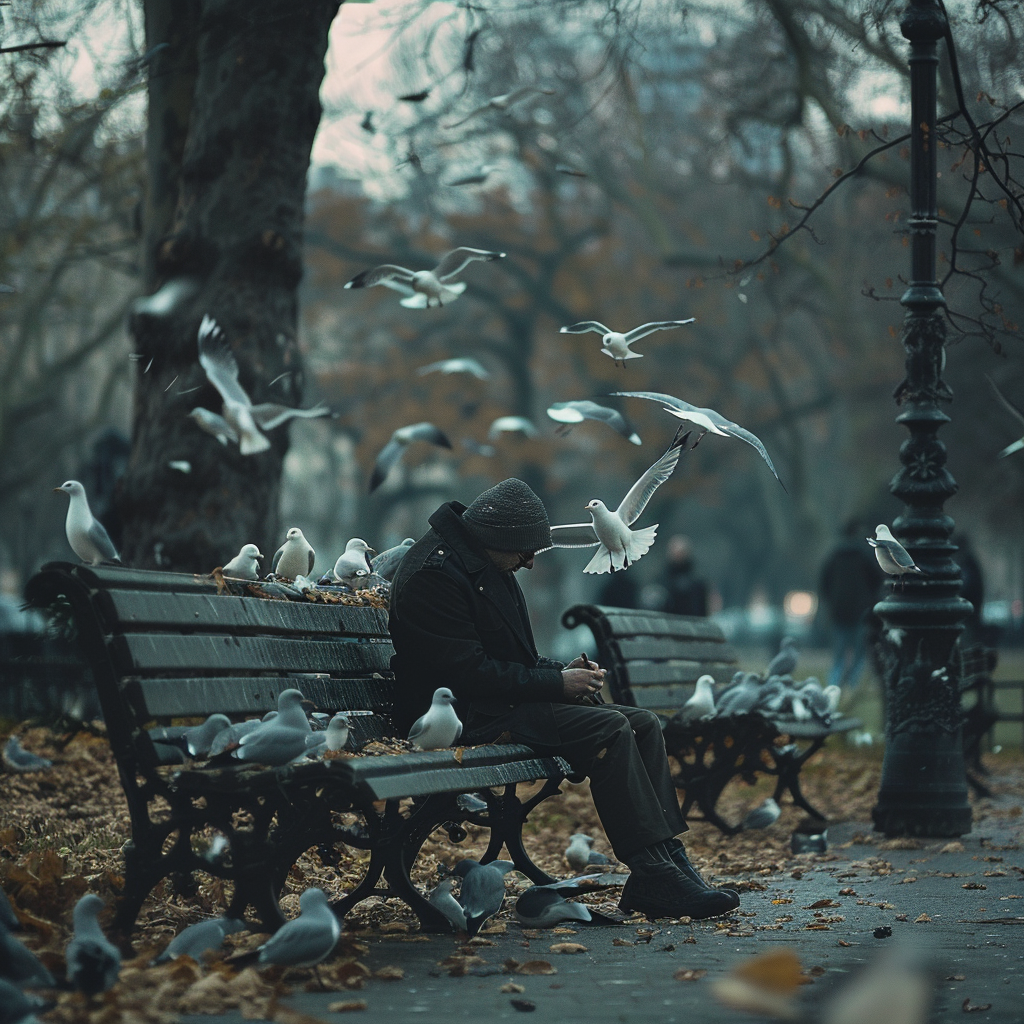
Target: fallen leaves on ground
[567,947]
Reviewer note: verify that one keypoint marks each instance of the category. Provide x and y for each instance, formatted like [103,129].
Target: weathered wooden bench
[654,660]
[170,645]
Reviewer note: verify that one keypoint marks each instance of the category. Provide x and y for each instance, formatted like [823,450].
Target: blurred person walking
[685,592]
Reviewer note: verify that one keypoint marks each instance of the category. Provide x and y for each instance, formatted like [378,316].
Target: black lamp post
[924,785]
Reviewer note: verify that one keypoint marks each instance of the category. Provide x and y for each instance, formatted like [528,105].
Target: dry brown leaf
[346,1006]
[622,942]
[457,753]
[511,988]
[523,1005]
[393,927]
[532,967]
[973,885]
[389,973]
[922,919]
[568,947]
[954,847]
[778,971]
[819,904]
[781,900]
[968,1007]
[843,942]
[689,974]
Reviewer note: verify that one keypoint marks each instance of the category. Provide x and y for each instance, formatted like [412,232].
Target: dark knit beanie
[509,517]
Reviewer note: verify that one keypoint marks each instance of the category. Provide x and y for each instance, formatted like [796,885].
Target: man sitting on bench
[459,619]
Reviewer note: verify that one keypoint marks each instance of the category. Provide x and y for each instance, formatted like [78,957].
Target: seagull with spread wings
[1014,412]
[393,451]
[423,288]
[616,345]
[708,420]
[462,364]
[241,421]
[569,413]
[619,546]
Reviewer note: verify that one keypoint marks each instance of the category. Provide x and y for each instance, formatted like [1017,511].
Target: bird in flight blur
[476,177]
[393,451]
[569,413]
[465,364]
[423,288]
[616,345]
[502,102]
[1015,413]
[511,425]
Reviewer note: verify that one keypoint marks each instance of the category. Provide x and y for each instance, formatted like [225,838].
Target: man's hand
[578,683]
[583,662]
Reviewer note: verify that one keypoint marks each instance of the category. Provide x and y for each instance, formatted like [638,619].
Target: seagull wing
[219,363]
[752,439]
[1006,403]
[386,461]
[384,274]
[656,396]
[277,558]
[424,431]
[897,552]
[437,367]
[99,536]
[1011,448]
[312,561]
[640,493]
[270,414]
[401,287]
[573,535]
[662,325]
[584,326]
[566,412]
[458,259]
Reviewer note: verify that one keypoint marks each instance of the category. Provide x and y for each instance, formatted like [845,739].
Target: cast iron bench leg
[789,766]
[507,814]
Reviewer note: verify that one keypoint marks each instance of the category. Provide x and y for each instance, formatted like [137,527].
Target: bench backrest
[654,658]
[168,645]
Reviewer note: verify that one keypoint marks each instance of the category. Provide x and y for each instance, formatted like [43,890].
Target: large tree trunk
[234,106]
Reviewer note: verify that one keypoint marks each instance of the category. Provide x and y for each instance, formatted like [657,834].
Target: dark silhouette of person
[973,586]
[685,592]
[619,590]
[850,578]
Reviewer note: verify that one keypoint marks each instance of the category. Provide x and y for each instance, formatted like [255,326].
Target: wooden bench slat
[100,577]
[641,674]
[627,622]
[670,649]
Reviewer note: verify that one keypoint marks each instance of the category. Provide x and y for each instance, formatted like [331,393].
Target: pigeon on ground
[442,899]
[8,918]
[280,740]
[227,738]
[387,562]
[580,853]
[333,738]
[198,939]
[440,726]
[307,939]
[84,531]
[17,759]
[488,451]
[393,451]
[707,419]
[244,419]
[702,703]
[619,546]
[568,413]
[20,965]
[483,890]
[465,364]
[477,177]
[423,288]
[352,559]
[93,962]
[891,555]
[511,425]
[1015,413]
[17,1007]
[785,661]
[541,907]
[616,345]
[502,103]
[762,816]
[245,565]
[295,557]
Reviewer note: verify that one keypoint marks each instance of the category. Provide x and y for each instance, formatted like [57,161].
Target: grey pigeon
[707,419]
[891,555]
[93,962]
[702,703]
[84,531]
[230,736]
[354,558]
[20,965]
[763,815]
[390,455]
[442,899]
[8,918]
[616,345]
[580,853]
[423,288]
[739,698]
[333,738]
[439,726]
[295,557]
[483,890]
[17,1007]
[245,565]
[785,661]
[198,939]
[464,364]
[387,562]
[568,413]
[196,740]
[307,939]
[281,739]
[18,759]
[541,907]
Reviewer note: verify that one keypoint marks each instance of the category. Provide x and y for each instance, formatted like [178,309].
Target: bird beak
[372,551]
[56,490]
[258,555]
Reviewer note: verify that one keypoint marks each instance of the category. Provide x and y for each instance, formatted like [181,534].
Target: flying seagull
[616,345]
[295,557]
[393,451]
[511,425]
[568,413]
[477,177]
[619,546]
[502,102]
[891,555]
[463,365]
[707,419]
[476,448]
[84,531]
[423,288]
[244,419]
[1014,412]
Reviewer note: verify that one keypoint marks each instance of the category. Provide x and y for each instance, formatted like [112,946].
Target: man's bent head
[510,522]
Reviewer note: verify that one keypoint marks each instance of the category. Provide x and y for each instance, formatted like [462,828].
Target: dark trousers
[620,748]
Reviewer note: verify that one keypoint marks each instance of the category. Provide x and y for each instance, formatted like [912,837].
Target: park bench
[654,660]
[165,646]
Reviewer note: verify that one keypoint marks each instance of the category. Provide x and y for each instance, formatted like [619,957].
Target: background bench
[654,660]
[171,645]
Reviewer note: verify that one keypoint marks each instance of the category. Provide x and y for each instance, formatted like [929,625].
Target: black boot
[657,888]
[677,854]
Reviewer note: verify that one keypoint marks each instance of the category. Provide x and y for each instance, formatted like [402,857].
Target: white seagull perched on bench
[708,420]
[619,546]
[241,421]
[423,288]
[616,345]
[84,531]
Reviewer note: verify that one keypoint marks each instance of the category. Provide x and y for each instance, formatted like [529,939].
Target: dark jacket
[457,621]
[850,579]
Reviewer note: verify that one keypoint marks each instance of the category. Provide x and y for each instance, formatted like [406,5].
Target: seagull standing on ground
[93,962]
[393,451]
[616,345]
[891,555]
[198,939]
[440,726]
[580,853]
[702,703]
[84,531]
[19,964]
[763,815]
[618,545]
[295,557]
[354,558]
[245,565]
[307,939]
[568,413]
[333,738]
[423,288]
[483,890]
[17,759]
